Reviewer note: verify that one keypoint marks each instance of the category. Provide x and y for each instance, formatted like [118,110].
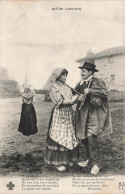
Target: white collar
[86,80]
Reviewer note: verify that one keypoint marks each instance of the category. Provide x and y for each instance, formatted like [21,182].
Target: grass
[24,156]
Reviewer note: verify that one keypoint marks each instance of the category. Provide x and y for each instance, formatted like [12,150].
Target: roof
[105,53]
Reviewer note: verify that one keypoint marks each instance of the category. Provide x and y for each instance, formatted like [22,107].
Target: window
[112,77]
[110,59]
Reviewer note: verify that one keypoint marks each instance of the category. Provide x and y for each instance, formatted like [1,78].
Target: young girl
[62,145]
[28,120]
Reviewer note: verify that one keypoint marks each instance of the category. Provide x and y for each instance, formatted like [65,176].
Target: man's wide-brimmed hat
[89,66]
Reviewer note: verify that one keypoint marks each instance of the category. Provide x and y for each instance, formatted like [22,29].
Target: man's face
[85,73]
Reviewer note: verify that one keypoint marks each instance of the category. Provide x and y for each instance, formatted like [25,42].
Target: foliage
[117,96]
[39,91]
[9,88]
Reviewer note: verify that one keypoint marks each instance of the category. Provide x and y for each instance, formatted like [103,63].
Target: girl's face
[26,90]
[63,77]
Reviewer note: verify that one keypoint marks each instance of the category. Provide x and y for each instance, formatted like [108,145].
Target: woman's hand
[74,99]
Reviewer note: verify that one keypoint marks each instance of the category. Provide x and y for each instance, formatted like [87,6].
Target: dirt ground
[24,156]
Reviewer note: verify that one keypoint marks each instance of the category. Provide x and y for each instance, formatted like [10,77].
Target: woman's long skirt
[28,120]
[55,153]
[59,155]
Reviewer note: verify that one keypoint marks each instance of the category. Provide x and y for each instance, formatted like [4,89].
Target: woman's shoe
[61,168]
[83,163]
[70,164]
[95,169]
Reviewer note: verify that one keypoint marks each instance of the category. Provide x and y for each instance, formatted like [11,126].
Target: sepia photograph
[62,96]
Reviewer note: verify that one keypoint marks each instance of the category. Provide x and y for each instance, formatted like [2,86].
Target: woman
[62,144]
[28,121]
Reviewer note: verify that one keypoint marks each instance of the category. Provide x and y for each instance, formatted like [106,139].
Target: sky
[37,38]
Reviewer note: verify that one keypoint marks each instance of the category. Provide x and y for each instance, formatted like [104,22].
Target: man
[93,118]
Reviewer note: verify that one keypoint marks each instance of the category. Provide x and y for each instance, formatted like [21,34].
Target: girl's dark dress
[28,120]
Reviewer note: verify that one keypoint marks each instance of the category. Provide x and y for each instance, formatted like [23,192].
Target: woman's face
[63,77]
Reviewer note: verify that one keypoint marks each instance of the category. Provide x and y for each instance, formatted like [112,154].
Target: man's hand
[86,91]
[81,97]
